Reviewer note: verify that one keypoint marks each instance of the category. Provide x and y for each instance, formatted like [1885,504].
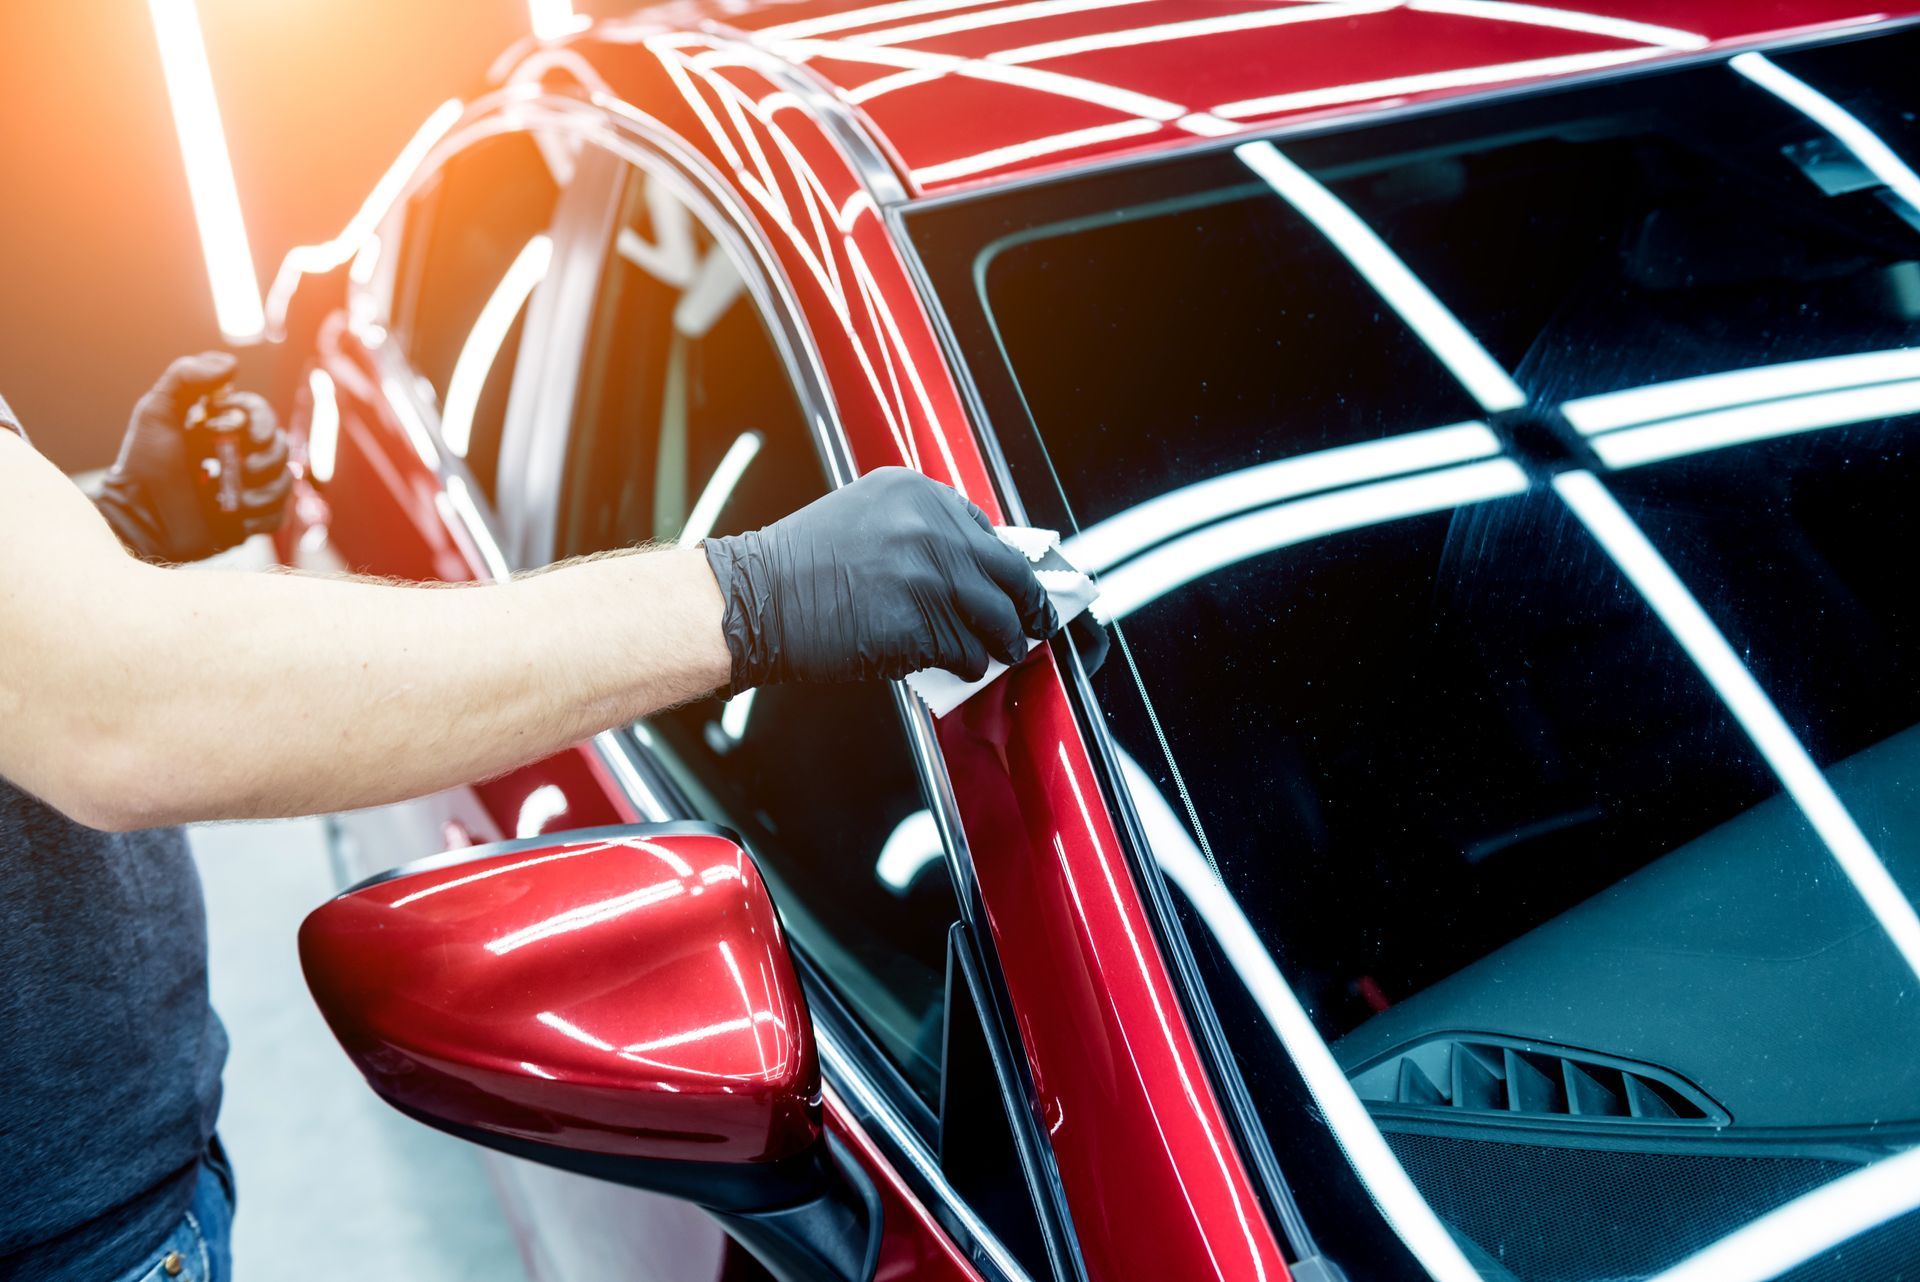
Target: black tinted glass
[1559,744]
[475,246]
[688,425]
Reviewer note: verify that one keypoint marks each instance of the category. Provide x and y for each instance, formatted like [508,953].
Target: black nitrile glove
[157,497]
[890,575]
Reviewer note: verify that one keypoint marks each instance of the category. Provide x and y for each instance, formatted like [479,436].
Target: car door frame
[860,1076]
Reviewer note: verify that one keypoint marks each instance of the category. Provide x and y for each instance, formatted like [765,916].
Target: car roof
[972,92]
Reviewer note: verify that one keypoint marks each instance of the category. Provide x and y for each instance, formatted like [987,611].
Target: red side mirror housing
[618,1001]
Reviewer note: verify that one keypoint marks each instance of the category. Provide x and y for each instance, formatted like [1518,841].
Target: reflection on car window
[688,426]
[476,244]
[1518,683]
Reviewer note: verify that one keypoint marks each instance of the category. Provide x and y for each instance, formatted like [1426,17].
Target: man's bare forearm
[378,693]
[134,695]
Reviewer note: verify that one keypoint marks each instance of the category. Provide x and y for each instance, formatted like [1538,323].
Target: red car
[1481,843]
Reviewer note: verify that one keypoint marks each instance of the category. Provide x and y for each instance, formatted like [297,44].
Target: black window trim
[1250,1132]
[854,1067]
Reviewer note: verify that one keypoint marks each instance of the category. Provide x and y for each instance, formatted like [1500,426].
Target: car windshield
[1509,516]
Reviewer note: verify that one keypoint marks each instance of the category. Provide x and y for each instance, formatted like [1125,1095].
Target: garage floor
[331,1180]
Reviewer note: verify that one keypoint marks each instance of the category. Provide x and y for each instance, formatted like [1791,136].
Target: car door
[687,423]
[415,393]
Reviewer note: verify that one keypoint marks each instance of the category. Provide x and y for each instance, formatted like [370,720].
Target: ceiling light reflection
[1648,571]
[1153,575]
[1674,438]
[1463,78]
[1160,32]
[1592,24]
[1865,145]
[913,845]
[999,16]
[584,916]
[1810,1225]
[323,427]
[718,489]
[1438,328]
[981,162]
[327,255]
[1593,414]
[203,149]
[484,340]
[1105,544]
[1175,851]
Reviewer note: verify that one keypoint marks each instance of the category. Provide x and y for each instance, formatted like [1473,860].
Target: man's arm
[132,696]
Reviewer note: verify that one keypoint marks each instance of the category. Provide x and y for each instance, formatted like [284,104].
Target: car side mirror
[618,1002]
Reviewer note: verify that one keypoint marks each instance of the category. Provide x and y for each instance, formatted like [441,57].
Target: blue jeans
[200,1248]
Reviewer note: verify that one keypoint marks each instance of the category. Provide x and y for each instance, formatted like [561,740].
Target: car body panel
[781,112]
[633,997]
[1162,1192]
[970,93]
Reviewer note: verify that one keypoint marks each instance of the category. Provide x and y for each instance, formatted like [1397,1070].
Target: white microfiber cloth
[1070,590]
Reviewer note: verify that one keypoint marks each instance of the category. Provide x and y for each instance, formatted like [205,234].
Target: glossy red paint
[1165,1194]
[960,92]
[628,994]
[967,92]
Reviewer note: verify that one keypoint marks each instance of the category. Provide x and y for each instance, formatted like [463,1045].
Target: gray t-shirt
[110,1053]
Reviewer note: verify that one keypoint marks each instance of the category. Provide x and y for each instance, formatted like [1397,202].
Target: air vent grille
[1494,1075]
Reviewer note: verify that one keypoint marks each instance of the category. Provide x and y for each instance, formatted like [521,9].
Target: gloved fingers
[261,422]
[964,655]
[190,378]
[1090,642]
[1013,574]
[263,522]
[271,495]
[989,615]
[270,462]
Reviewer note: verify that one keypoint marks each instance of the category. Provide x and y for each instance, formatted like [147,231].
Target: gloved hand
[157,497]
[890,575]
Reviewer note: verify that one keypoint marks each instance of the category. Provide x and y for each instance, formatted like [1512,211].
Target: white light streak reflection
[330,254]
[914,844]
[1463,78]
[1033,148]
[1385,1179]
[1154,574]
[1193,28]
[542,806]
[718,489]
[1594,414]
[1809,1225]
[1405,292]
[1106,543]
[1674,438]
[323,427]
[584,916]
[1641,562]
[567,1028]
[999,15]
[484,340]
[1847,128]
[1592,24]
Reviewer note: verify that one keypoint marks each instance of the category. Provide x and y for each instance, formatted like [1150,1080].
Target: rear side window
[476,244]
[687,426]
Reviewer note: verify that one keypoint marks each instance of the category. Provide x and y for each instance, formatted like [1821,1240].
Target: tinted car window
[475,246]
[1559,752]
[689,426]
